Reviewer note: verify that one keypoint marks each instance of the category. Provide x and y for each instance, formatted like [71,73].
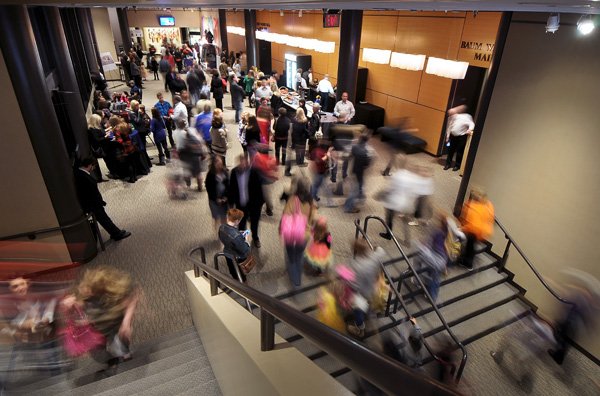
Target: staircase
[474,304]
[174,364]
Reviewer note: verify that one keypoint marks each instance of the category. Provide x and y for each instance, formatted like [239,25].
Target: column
[251,47]
[124,28]
[350,31]
[223,29]
[29,84]
[88,13]
[68,87]
[87,40]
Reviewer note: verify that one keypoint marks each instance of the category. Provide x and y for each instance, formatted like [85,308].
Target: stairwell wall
[536,156]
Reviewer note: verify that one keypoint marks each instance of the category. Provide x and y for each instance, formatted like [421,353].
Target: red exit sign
[331,20]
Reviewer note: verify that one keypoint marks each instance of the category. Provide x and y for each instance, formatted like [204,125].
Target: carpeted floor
[164,231]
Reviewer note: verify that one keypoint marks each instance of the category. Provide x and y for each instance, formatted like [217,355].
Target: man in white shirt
[324,89]
[344,106]
[460,127]
[179,111]
[263,91]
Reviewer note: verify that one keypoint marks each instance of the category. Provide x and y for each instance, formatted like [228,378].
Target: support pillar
[86,37]
[350,32]
[124,29]
[483,107]
[94,39]
[251,47]
[223,29]
[29,85]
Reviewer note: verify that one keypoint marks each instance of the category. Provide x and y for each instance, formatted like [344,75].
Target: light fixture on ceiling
[585,24]
[407,61]
[553,23]
[447,68]
[376,55]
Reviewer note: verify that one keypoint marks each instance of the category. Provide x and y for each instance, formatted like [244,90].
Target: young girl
[317,256]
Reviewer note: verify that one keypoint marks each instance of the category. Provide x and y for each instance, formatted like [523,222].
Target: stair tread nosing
[134,374]
[206,389]
[89,366]
[168,382]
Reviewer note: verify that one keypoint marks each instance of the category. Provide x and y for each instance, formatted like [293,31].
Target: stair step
[86,370]
[329,364]
[169,382]
[84,387]
[206,389]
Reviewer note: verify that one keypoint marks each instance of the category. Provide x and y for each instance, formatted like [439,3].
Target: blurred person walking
[219,138]
[297,143]
[217,184]
[477,219]
[246,194]
[237,97]
[281,129]
[165,110]
[216,87]
[297,216]
[158,128]
[191,151]
[361,154]
[203,121]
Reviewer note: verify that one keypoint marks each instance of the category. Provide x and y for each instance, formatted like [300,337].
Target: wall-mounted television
[166,20]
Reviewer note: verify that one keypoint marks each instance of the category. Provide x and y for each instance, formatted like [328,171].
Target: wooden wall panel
[478,38]
[376,98]
[438,37]
[394,82]
[434,91]
[429,121]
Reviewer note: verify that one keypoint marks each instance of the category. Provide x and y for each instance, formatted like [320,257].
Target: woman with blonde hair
[299,132]
[106,298]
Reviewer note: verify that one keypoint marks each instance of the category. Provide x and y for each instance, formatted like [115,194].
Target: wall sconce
[376,55]
[447,68]
[407,61]
[236,30]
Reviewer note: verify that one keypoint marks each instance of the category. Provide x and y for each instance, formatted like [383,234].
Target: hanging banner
[108,63]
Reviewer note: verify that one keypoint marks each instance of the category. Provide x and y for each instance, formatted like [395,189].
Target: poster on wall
[157,35]
[108,63]
[211,24]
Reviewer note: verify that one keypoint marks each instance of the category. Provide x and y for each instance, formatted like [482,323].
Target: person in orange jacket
[477,220]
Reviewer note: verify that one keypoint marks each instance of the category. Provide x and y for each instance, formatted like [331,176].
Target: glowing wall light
[376,55]
[407,61]
[447,68]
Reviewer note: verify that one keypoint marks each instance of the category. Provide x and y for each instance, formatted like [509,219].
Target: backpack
[293,225]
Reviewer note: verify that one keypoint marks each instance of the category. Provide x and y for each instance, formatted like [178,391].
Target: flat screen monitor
[166,20]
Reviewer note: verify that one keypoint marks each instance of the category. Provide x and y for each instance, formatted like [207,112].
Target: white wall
[537,157]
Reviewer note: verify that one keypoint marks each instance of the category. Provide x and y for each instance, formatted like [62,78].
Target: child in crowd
[317,256]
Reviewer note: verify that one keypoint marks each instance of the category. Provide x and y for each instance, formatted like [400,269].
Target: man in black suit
[246,194]
[91,199]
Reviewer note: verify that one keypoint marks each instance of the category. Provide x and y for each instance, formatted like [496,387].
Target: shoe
[455,168]
[356,331]
[465,266]
[556,356]
[446,167]
[288,174]
[353,210]
[131,180]
[122,235]
[270,212]
[102,180]
[317,199]
[384,173]
[413,223]
[257,243]
[161,164]
[385,235]
[112,176]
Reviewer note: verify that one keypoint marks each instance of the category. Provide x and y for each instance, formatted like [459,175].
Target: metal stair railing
[395,291]
[387,374]
[459,344]
[511,242]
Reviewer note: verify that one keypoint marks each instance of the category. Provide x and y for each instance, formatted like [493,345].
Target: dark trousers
[334,170]
[231,265]
[219,103]
[324,100]
[469,252]
[156,75]
[280,145]
[254,213]
[389,218]
[162,145]
[138,80]
[105,221]
[457,145]
[169,125]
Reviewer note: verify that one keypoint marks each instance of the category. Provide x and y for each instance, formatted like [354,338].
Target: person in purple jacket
[204,122]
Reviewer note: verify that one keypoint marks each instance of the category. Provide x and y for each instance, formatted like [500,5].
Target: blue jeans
[356,193]
[294,260]
[239,107]
[318,179]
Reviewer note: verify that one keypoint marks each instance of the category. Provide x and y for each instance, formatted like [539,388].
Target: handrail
[398,295]
[382,371]
[427,295]
[511,241]
[32,234]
